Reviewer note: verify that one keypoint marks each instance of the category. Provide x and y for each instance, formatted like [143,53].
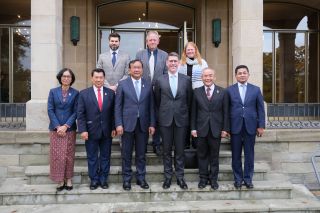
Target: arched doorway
[132,19]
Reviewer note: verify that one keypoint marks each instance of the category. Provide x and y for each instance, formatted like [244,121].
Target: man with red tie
[96,125]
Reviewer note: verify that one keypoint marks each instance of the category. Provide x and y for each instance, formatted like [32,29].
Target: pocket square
[89,122]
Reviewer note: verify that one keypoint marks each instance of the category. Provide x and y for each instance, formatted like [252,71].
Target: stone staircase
[25,186]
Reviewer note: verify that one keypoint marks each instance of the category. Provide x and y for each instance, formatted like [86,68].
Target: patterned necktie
[151,65]
[99,99]
[136,87]
[114,58]
[173,85]
[208,93]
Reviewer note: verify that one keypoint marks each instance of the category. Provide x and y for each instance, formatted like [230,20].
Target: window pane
[15,12]
[21,65]
[267,67]
[130,47]
[290,67]
[313,67]
[4,65]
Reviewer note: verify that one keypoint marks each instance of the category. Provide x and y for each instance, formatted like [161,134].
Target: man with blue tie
[96,125]
[247,119]
[173,95]
[134,121]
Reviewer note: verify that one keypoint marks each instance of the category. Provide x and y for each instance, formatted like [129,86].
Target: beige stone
[37,118]
[9,160]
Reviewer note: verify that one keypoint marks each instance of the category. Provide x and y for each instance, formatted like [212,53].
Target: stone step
[40,174]
[15,192]
[268,205]
[81,159]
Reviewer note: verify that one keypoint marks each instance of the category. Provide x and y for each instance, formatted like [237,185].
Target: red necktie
[99,99]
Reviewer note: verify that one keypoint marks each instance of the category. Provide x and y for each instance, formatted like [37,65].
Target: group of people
[155,94]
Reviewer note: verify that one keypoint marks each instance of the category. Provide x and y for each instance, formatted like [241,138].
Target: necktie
[136,87]
[243,92]
[173,85]
[99,99]
[151,65]
[208,93]
[114,58]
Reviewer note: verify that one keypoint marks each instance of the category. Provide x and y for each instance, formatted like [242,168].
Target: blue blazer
[127,105]
[98,124]
[60,112]
[252,110]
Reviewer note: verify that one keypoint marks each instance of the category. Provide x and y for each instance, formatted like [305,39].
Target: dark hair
[98,70]
[134,61]
[114,35]
[241,67]
[173,54]
[60,73]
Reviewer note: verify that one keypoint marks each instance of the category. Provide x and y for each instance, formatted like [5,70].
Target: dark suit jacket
[160,66]
[98,124]
[170,107]
[127,106]
[252,111]
[60,112]
[210,115]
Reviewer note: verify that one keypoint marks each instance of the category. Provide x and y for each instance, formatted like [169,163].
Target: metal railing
[313,160]
[293,115]
[12,116]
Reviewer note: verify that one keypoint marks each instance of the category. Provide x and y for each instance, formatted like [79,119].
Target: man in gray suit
[173,95]
[114,62]
[209,123]
[154,66]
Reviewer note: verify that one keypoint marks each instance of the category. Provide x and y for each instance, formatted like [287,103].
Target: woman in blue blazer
[62,112]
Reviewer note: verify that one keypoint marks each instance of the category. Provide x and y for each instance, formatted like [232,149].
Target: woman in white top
[192,64]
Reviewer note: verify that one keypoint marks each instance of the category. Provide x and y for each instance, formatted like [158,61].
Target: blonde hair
[197,53]
[154,33]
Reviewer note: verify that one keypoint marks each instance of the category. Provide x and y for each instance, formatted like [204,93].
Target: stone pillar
[46,58]
[247,37]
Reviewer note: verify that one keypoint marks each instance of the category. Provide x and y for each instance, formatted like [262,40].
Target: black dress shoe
[94,185]
[237,185]
[167,183]
[126,185]
[214,185]
[157,150]
[105,185]
[249,185]
[182,183]
[69,188]
[143,184]
[202,184]
[62,187]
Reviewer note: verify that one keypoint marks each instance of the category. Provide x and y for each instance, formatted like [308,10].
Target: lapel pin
[69,94]
[142,85]
[105,93]
[217,91]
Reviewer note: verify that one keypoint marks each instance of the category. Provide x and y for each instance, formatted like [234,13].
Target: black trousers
[208,155]
[173,136]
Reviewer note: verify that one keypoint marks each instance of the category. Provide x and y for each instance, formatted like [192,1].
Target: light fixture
[75,29]
[216,32]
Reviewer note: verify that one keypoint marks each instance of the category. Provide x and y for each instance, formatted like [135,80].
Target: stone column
[247,37]
[46,58]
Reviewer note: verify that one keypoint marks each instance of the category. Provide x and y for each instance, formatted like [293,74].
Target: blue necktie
[114,58]
[136,87]
[173,85]
[243,92]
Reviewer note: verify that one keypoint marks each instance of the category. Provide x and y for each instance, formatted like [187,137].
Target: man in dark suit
[96,125]
[209,123]
[114,62]
[173,95]
[247,119]
[134,120]
[154,66]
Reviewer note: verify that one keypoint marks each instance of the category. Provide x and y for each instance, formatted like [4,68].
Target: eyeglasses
[66,76]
